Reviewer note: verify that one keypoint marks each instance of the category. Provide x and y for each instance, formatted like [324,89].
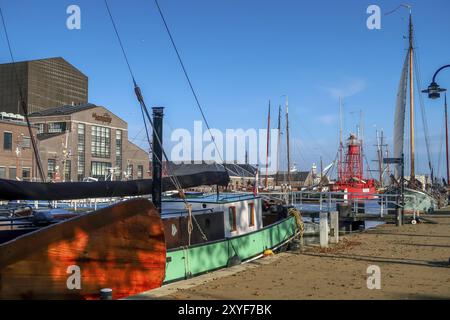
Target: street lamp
[434,92]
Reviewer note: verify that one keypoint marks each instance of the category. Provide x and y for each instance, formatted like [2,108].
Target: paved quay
[413,261]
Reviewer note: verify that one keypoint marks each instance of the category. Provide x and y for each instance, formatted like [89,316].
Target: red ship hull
[363,192]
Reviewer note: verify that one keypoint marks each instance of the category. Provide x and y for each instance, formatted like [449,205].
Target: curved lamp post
[434,92]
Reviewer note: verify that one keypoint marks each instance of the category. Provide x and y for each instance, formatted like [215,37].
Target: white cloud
[349,87]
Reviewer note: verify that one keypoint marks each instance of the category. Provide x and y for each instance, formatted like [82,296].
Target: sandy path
[414,263]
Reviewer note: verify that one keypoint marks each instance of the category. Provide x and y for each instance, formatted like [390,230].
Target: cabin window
[251,214]
[232,218]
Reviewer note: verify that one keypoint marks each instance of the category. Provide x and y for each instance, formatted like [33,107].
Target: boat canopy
[23,190]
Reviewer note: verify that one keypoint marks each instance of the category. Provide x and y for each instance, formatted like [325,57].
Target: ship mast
[287,142]
[267,149]
[411,97]
[341,142]
[278,145]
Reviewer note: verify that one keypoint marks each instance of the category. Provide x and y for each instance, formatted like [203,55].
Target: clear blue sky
[242,53]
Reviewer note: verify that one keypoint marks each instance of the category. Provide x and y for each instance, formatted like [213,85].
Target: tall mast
[287,142]
[266,184]
[446,140]
[341,142]
[411,96]
[278,144]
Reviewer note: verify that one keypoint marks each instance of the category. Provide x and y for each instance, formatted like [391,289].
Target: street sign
[393,160]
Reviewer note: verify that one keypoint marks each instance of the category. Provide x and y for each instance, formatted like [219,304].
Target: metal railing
[315,201]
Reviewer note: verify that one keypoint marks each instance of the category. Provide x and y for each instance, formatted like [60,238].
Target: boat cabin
[214,217]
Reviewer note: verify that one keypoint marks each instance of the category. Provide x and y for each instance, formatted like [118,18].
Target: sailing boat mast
[278,145]
[411,96]
[266,184]
[341,142]
[287,142]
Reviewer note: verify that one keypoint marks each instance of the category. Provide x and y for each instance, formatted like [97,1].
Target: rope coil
[298,220]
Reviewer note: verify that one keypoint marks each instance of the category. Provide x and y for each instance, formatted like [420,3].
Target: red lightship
[351,170]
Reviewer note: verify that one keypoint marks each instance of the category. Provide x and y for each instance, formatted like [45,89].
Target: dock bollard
[334,227]
[106,294]
[323,227]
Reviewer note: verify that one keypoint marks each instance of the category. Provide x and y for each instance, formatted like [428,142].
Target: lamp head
[434,91]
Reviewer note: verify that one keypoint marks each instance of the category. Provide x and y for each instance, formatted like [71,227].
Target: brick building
[16,151]
[81,141]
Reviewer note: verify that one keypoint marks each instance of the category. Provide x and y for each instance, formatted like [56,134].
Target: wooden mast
[287,142]
[411,97]
[278,146]
[266,183]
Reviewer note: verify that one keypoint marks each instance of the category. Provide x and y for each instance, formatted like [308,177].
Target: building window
[26,142]
[67,170]
[140,172]
[12,173]
[130,171]
[101,142]
[40,127]
[7,141]
[251,214]
[26,174]
[99,169]
[2,173]
[118,154]
[51,168]
[81,148]
[232,218]
[55,127]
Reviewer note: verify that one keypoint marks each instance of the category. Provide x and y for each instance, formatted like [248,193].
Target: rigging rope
[422,107]
[145,112]
[194,93]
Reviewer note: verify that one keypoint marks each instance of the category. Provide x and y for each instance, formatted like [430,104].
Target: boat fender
[268,252]
[234,261]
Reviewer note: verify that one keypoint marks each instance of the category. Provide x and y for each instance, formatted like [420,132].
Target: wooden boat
[121,247]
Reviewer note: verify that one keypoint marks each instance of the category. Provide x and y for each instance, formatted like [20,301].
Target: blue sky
[239,55]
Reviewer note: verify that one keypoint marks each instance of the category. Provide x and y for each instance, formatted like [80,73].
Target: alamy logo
[374,20]
[231,145]
[74,20]
[74,280]
[374,278]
